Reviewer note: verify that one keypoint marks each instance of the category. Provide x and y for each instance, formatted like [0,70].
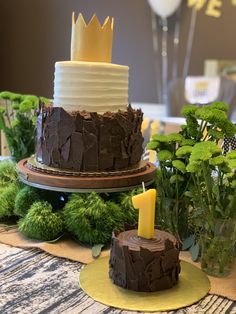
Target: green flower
[184,151]
[45,100]
[160,138]
[153,145]
[5,95]
[188,110]
[231,154]
[15,97]
[232,163]
[178,164]
[25,106]
[204,151]
[220,106]
[33,99]
[41,223]
[15,106]
[194,167]
[175,137]
[216,134]
[164,155]
[187,142]
[217,161]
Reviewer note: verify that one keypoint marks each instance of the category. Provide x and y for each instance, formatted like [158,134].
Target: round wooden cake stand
[83,184]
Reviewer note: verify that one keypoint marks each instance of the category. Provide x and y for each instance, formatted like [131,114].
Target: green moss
[7,200]
[90,219]
[8,172]
[24,199]
[41,222]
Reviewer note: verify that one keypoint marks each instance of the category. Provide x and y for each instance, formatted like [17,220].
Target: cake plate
[38,175]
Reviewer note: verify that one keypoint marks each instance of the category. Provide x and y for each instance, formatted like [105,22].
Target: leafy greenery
[41,222]
[24,199]
[7,200]
[17,120]
[90,219]
[195,183]
[8,172]
[125,203]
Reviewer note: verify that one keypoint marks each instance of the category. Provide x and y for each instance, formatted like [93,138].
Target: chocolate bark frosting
[144,265]
[87,141]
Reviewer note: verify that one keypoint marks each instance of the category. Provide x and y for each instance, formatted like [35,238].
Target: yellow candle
[145,202]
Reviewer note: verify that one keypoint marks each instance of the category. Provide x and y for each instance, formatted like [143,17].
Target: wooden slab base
[101,184]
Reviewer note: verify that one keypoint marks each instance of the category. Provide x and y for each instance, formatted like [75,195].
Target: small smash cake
[141,264]
[90,127]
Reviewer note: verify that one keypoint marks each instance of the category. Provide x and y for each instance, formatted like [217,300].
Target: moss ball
[41,222]
[24,199]
[91,220]
[7,200]
[8,172]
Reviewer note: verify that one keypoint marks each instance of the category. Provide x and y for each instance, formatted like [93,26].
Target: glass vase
[218,248]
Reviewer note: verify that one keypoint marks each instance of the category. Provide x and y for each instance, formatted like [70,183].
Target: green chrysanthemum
[184,151]
[178,164]
[187,142]
[220,106]
[188,110]
[164,155]
[25,106]
[153,145]
[231,154]
[193,167]
[217,161]
[160,138]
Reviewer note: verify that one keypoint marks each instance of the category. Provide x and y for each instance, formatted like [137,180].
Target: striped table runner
[32,281]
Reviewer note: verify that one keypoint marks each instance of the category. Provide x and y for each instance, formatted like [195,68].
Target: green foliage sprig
[90,219]
[17,120]
[41,222]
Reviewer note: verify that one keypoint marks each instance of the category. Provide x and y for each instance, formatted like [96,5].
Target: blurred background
[36,34]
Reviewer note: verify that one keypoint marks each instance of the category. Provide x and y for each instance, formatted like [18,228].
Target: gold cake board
[44,177]
[193,285]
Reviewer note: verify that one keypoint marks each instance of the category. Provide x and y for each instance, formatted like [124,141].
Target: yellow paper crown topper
[92,42]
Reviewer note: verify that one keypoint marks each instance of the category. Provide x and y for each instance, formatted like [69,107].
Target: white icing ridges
[91,86]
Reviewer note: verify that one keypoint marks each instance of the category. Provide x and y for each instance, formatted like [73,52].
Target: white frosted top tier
[91,86]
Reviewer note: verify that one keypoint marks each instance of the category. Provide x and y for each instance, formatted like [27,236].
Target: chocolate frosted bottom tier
[144,265]
[87,141]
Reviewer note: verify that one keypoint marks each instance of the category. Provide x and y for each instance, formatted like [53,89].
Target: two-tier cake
[90,127]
